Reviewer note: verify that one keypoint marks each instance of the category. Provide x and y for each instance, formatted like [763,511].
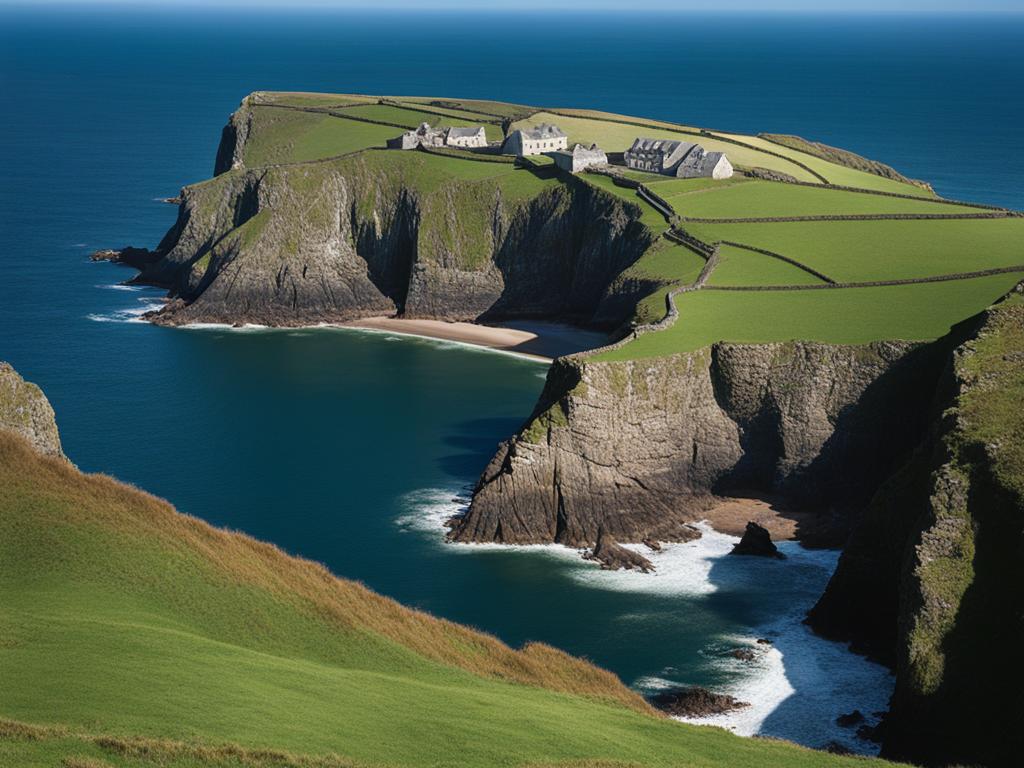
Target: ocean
[350,448]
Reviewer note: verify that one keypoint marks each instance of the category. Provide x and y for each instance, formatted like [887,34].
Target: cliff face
[25,410]
[377,234]
[931,577]
[634,447]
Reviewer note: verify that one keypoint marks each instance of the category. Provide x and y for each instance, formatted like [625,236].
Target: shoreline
[505,339]
[796,683]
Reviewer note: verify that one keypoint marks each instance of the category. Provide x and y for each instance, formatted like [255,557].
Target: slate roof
[543,131]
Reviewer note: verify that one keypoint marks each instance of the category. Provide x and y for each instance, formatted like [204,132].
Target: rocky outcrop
[695,702]
[233,137]
[613,556]
[366,235]
[757,542]
[637,448]
[930,580]
[25,410]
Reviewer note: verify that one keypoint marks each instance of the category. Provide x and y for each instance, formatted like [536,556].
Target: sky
[782,6]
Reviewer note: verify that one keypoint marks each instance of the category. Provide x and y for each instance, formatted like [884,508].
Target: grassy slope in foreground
[120,616]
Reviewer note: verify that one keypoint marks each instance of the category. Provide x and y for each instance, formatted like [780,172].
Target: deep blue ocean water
[348,447]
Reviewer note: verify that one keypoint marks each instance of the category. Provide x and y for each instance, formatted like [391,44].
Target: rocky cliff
[25,410]
[634,448]
[930,579]
[388,232]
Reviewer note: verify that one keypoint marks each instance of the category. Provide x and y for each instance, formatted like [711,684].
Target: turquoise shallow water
[349,448]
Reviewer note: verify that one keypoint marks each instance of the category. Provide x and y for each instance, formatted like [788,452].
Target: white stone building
[579,157]
[536,140]
[474,136]
[683,159]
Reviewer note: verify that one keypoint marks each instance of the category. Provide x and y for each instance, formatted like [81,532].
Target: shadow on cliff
[474,441]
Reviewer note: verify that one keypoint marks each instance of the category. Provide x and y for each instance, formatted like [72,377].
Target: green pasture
[921,311]
[857,251]
[749,199]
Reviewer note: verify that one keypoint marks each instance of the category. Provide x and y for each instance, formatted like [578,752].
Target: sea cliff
[637,447]
[382,233]
[929,580]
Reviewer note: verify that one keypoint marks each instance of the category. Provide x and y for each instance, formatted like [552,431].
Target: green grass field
[121,618]
[289,136]
[412,118]
[855,251]
[738,266]
[751,199]
[918,312]
[845,251]
[836,174]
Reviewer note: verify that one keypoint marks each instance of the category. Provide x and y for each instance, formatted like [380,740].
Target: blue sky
[842,6]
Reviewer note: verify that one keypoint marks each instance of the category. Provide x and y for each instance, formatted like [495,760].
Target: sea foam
[796,684]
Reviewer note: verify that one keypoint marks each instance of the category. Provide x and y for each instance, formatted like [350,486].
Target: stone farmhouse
[425,136]
[682,159]
[579,157]
[536,140]
[474,136]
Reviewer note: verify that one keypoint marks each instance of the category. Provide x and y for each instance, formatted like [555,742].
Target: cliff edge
[25,410]
[638,447]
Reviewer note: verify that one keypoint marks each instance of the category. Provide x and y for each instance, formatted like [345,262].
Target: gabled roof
[662,146]
[463,131]
[543,131]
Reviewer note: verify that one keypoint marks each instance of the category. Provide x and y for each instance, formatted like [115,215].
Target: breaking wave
[796,683]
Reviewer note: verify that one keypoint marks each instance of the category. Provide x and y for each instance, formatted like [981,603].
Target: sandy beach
[537,339]
[730,515]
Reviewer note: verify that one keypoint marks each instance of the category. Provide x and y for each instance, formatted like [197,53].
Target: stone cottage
[536,140]
[474,136]
[579,157]
[683,159]
[707,165]
[424,136]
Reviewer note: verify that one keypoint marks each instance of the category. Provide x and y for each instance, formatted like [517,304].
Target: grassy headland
[847,222]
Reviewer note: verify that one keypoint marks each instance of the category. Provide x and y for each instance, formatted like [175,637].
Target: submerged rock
[612,556]
[757,541]
[695,701]
[850,719]
[743,654]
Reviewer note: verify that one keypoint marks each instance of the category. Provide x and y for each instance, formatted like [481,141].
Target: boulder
[757,541]
[695,701]
[612,556]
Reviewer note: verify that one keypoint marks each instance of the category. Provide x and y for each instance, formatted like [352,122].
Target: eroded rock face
[930,579]
[356,237]
[636,448]
[25,410]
